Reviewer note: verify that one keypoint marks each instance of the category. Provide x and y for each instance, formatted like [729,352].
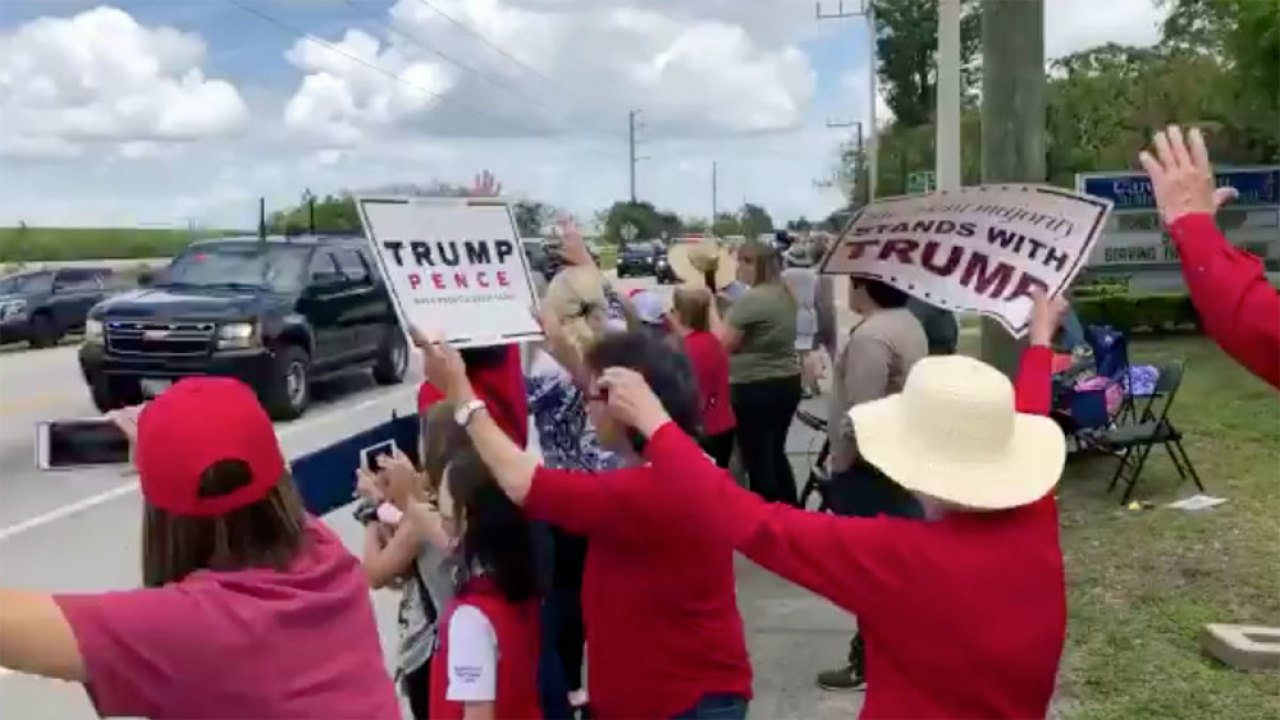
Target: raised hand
[444,367]
[399,478]
[573,249]
[1182,176]
[631,401]
[485,185]
[1046,315]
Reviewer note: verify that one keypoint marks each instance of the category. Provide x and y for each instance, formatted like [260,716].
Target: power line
[454,61]
[291,30]
[480,36]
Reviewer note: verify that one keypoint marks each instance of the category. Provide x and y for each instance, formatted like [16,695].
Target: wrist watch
[466,411]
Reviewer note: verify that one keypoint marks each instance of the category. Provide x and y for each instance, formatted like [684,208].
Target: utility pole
[633,124]
[867,11]
[262,219]
[715,190]
[948,96]
[1013,120]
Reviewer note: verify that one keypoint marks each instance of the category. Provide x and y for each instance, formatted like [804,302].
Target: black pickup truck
[278,314]
[41,306]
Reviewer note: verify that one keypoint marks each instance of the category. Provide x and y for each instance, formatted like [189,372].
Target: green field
[1141,584]
[36,243]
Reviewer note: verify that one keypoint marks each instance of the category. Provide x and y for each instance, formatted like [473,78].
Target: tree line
[1216,65]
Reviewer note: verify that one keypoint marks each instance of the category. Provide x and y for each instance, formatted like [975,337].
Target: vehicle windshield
[238,265]
[26,283]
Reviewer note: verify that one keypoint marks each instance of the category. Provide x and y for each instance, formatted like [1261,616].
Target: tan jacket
[873,364]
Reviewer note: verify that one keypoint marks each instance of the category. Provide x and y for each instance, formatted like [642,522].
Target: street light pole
[948,91]
[868,12]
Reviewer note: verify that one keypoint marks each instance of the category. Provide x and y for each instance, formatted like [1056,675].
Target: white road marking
[127,489]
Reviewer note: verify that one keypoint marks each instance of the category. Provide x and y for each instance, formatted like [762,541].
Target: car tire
[112,393]
[44,331]
[393,357]
[289,391]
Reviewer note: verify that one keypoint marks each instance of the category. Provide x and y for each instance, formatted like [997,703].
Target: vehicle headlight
[12,308]
[93,331]
[237,335]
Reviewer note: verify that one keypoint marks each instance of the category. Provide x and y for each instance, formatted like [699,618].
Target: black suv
[644,257]
[43,305]
[278,314]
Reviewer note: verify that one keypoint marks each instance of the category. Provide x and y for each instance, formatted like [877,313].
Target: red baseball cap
[191,426]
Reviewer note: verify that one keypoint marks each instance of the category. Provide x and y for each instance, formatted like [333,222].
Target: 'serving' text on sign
[454,266]
[982,249]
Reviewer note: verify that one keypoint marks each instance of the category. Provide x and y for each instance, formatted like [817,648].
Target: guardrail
[114,264]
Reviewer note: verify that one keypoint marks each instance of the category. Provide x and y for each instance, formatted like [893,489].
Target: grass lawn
[1142,584]
[41,243]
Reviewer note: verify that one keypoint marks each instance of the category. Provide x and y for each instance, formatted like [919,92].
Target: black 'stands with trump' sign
[980,249]
[454,266]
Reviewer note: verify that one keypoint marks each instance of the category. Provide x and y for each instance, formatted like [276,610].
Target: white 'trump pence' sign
[455,266]
[980,249]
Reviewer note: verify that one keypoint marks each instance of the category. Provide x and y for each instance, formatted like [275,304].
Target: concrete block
[1244,647]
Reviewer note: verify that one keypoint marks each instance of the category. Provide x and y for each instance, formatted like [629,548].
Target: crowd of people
[586,568]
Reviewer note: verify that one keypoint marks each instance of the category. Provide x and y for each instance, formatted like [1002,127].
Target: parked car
[279,315]
[643,259]
[43,305]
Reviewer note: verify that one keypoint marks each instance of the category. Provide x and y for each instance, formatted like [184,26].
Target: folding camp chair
[1111,360]
[1149,428]
[818,477]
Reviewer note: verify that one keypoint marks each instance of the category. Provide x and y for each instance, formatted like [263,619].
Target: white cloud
[100,77]
[1075,25]
[727,81]
[691,73]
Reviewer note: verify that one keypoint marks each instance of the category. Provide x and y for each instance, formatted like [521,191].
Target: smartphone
[369,456]
[389,514]
[65,444]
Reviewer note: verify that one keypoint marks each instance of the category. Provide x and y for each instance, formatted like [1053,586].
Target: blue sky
[112,119]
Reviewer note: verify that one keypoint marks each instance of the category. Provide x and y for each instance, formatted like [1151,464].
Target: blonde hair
[576,297]
[692,305]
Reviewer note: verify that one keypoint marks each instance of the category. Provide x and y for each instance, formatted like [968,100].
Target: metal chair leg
[1132,484]
[1191,469]
[1124,463]
[1177,463]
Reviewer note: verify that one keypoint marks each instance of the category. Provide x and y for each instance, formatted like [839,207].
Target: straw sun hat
[691,261]
[953,434]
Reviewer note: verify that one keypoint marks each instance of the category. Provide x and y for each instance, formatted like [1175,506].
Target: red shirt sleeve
[680,494]
[501,387]
[1033,386]
[132,644]
[1239,309]
[840,558]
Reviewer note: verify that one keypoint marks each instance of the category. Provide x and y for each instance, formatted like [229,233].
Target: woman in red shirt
[249,607]
[664,636]
[692,319]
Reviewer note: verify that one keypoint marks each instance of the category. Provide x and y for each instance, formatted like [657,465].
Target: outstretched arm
[1239,308]
[36,638]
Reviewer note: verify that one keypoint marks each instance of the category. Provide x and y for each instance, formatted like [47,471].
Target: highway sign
[1131,191]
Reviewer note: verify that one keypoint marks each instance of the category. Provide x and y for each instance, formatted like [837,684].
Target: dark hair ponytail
[497,537]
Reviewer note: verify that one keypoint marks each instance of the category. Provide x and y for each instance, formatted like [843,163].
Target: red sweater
[711,369]
[1238,308]
[658,594]
[501,387]
[963,617]
[515,626]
